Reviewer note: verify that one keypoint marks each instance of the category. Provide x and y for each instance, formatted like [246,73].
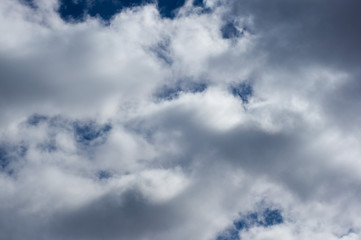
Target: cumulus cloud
[193,120]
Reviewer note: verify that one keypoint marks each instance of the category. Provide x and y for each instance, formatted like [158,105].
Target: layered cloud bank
[207,120]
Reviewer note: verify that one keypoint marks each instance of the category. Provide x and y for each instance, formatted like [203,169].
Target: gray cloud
[129,216]
[321,32]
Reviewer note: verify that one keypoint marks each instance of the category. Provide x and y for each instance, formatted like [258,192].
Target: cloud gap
[242,90]
[169,93]
[90,133]
[266,218]
[36,119]
[10,155]
[103,175]
[230,31]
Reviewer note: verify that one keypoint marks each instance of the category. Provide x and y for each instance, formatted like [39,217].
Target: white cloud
[107,158]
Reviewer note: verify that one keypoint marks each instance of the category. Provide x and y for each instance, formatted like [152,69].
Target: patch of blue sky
[230,31]
[90,133]
[172,92]
[168,8]
[198,3]
[103,174]
[36,119]
[86,132]
[229,234]
[169,93]
[266,218]
[71,10]
[271,217]
[77,10]
[9,154]
[242,90]
[53,122]
[4,161]
[162,51]
[247,221]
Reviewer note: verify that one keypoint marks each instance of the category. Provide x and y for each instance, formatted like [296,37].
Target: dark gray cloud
[297,34]
[306,32]
[129,216]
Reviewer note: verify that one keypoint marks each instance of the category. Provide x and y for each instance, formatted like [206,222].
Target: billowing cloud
[209,120]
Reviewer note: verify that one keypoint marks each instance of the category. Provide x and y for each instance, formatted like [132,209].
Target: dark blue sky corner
[72,11]
[76,11]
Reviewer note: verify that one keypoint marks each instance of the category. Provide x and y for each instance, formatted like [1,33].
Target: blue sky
[158,120]
[75,10]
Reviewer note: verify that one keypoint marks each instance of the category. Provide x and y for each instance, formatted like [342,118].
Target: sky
[180,119]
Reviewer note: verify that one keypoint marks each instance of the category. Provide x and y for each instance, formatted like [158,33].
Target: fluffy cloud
[221,120]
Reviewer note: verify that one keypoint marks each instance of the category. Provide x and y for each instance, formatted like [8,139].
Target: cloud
[184,121]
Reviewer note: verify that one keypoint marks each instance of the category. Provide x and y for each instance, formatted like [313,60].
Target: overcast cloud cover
[213,120]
